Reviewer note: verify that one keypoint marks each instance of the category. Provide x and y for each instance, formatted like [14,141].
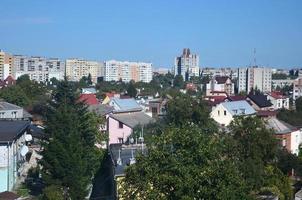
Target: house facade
[13,138]
[278,100]
[225,112]
[220,84]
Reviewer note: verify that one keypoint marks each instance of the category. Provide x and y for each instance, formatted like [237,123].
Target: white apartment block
[254,77]
[127,71]
[187,65]
[77,68]
[39,69]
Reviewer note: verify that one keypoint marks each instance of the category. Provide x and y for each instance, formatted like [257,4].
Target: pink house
[121,125]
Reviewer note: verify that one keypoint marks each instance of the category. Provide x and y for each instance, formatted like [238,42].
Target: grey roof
[133,119]
[91,90]
[10,130]
[279,126]
[100,109]
[125,105]
[125,155]
[299,194]
[8,106]
[236,107]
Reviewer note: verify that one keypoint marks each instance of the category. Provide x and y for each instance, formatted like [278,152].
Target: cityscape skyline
[223,34]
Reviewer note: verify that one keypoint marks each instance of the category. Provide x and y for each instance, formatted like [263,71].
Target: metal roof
[133,119]
[10,130]
[8,106]
[239,108]
[123,105]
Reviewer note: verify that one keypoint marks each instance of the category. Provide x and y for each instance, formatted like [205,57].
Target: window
[120,140]
[218,112]
[284,142]
[120,125]
[225,113]
[14,114]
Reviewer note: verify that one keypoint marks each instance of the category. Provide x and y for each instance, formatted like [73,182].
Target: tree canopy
[70,157]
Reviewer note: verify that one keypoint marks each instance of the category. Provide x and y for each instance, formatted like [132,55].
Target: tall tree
[184,163]
[131,90]
[178,82]
[70,158]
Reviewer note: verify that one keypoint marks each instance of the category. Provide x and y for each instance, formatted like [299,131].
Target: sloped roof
[236,107]
[125,105]
[279,126]
[221,79]
[236,98]
[100,109]
[89,99]
[277,95]
[8,106]
[260,100]
[90,90]
[133,119]
[9,130]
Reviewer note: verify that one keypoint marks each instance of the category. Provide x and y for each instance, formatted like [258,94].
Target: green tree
[178,82]
[255,148]
[70,158]
[131,90]
[184,163]
[15,95]
[183,109]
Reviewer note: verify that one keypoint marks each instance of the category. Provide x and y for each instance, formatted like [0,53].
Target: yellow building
[77,68]
[6,65]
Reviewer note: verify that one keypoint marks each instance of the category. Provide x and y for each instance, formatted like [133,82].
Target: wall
[295,141]
[220,117]
[115,132]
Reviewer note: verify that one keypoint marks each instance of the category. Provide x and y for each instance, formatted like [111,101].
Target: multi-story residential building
[127,71]
[77,68]
[297,88]
[282,83]
[187,65]
[254,78]
[38,68]
[220,84]
[224,71]
[6,65]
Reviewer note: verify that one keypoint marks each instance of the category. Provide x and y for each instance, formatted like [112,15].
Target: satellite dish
[24,150]
[28,138]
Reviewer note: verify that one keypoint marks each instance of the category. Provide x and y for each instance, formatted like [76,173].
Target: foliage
[70,157]
[293,117]
[131,90]
[15,95]
[53,192]
[184,163]
[178,82]
[279,76]
[256,150]
[183,109]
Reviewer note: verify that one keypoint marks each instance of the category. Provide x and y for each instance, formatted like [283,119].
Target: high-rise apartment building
[38,68]
[127,71]
[187,65]
[77,68]
[6,65]
[254,78]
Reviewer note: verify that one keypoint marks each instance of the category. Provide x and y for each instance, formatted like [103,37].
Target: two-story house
[225,112]
[220,84]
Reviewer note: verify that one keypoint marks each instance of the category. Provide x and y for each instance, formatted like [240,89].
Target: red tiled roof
[89,99]
[266,113]
[277,95]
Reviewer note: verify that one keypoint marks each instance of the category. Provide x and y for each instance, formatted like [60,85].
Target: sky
[222,32]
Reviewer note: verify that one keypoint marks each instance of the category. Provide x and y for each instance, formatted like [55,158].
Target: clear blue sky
[222,32]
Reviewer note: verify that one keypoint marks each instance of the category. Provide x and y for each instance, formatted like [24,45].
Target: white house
[11,111]
[225,112]
[13,138]
[278,100]
[220,84]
